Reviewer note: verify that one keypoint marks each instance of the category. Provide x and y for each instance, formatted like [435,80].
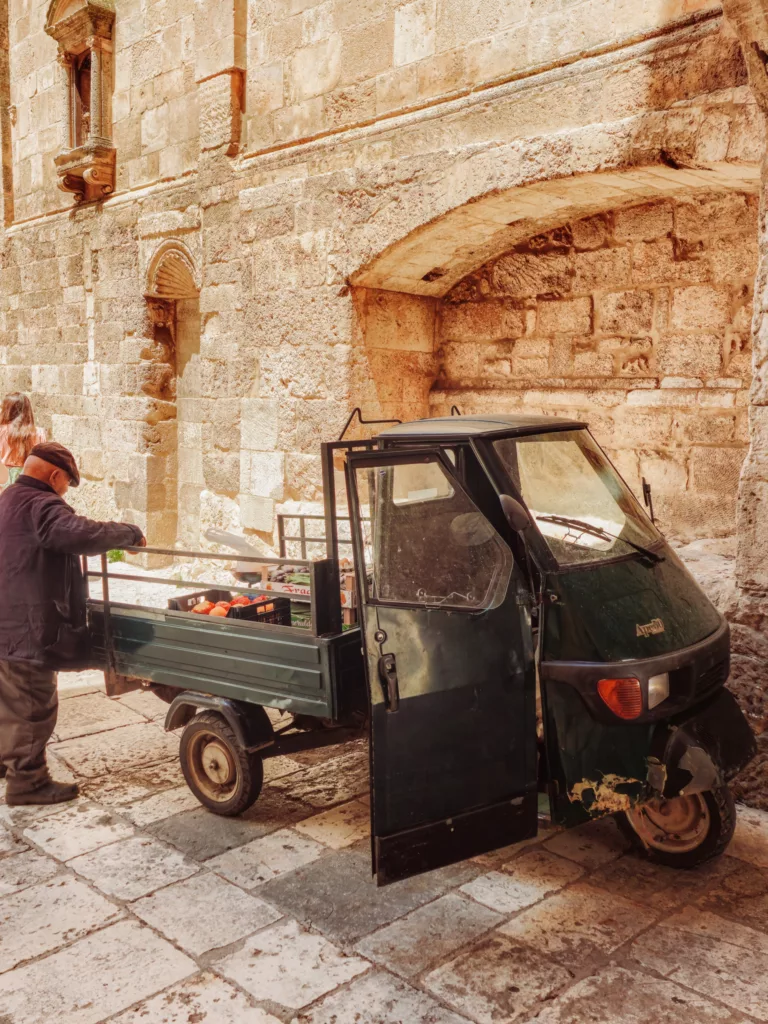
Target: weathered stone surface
[522,882]
[133,867]
[341,826]
[78,829]
[374,995]
[134,963]
[264,859]
[497,981]
[713,957]
[204,913]
[266,966]
[413,943]
[46,916]
[335,894]
[575,924]
[191,831]
[617,994]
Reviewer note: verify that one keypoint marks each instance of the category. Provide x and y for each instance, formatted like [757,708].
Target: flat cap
[58,455]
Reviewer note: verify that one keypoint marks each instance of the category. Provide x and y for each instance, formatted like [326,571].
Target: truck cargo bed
[274,666]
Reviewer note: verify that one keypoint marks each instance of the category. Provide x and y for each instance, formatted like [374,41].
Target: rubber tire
[249,766]
[722,811]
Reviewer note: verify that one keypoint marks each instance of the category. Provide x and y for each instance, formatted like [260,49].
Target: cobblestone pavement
[136,906]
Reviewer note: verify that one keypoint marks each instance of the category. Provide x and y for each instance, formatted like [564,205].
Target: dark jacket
[42,588]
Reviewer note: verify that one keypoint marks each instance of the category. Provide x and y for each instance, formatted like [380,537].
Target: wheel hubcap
[673,826]
[212,766]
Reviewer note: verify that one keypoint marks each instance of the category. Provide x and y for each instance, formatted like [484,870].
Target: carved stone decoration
[86,161]
[171,273]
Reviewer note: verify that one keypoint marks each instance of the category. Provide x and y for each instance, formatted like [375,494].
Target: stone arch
[434,257]
[402,294]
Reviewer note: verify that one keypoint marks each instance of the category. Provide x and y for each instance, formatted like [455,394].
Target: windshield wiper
[598,531]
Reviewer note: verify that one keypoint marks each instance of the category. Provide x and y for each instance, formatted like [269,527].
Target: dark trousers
[29,704]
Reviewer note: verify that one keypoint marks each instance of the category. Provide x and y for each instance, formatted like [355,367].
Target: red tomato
[203,608]
[218,612]
[241,599]
[226,605]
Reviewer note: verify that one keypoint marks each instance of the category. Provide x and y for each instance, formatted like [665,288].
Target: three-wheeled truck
[524,629]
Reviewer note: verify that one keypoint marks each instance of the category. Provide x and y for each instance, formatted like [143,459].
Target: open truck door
[449,656]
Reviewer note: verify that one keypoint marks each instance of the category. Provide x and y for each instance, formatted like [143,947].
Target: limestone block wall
[636,320]
[320,66]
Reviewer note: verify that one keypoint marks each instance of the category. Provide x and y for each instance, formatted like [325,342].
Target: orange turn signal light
[623,696]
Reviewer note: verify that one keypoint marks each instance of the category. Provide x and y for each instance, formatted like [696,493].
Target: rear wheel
[224,777]
[684,831]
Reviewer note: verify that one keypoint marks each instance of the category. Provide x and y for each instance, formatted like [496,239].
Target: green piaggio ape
[524,629]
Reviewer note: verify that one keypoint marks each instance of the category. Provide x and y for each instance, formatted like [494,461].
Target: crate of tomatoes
[221,604]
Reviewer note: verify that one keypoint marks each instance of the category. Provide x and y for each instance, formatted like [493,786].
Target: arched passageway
[624,299]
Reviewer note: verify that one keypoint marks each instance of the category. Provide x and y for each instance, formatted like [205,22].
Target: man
[42,612]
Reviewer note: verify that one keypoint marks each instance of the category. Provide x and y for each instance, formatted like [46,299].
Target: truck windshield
[581,506]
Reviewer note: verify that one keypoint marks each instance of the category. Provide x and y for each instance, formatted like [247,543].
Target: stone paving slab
[616,994]
[415,942]
[264,859]
[145,703]
[290,966]
[79,828]
[749,841]
[337,896]
[92,979]
[591,845]
[46,916]
[714,957]
[579,922]
[113,751]
[378,998]
[653,885]
[133,867]
[341,826]
[193,833]
[25,869]
[160,806]
[740,894]
[204,998]
[497,981]
[330,782]
[134,784]
[203,913]
[10,844]
[92,713]
[523,882]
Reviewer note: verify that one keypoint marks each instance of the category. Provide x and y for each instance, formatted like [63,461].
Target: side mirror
[515,514]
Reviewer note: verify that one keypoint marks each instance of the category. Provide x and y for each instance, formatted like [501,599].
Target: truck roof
[480,426]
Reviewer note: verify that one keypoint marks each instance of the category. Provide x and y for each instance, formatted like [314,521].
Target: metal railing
[325,598]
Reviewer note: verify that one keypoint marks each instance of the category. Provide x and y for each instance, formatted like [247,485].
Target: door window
[431,545]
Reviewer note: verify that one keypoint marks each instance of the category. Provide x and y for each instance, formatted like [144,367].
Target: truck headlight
[658,690]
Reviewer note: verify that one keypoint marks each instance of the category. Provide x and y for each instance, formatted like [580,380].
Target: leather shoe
[50,793]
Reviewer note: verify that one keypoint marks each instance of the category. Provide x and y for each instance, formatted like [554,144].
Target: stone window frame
[85,166]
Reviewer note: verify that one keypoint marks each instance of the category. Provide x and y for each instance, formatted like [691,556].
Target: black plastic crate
[278,615]
[187,602]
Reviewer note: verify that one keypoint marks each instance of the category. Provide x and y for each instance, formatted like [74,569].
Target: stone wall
[321,66]
[636,320]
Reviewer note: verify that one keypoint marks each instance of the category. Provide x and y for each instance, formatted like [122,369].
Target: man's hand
[142,543]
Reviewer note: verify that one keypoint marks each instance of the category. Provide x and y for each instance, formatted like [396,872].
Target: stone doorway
[176,462]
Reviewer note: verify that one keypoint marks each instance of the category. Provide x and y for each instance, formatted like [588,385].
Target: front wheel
[224,777]
[684,831]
